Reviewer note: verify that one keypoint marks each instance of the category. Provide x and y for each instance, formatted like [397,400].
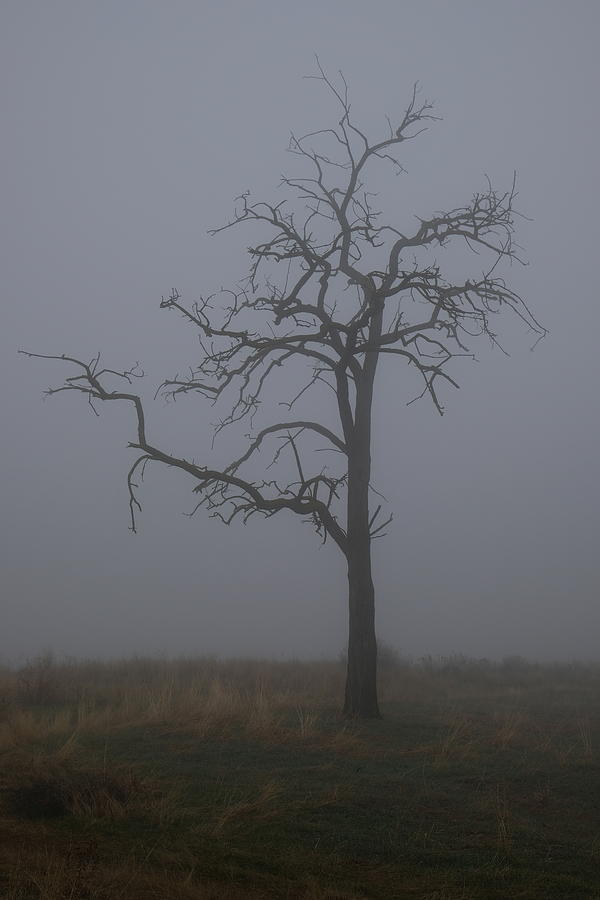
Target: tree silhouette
[333,288]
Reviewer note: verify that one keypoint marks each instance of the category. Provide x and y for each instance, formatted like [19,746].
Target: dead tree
[348,291]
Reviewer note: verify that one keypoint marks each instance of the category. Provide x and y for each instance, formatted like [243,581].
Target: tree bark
[361,679]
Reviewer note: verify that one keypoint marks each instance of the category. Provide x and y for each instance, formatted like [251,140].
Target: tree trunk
[361,680]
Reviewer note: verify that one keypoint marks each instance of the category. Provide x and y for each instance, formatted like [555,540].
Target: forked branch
[332,286]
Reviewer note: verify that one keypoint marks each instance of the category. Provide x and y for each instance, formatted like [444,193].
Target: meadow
[202,778]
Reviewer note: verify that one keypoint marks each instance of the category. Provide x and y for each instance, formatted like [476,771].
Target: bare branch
[309,296]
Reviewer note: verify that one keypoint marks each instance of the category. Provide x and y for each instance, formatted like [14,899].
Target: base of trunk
[353,713]
[360,701]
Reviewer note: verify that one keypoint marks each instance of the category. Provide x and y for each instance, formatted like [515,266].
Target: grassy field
[193,779]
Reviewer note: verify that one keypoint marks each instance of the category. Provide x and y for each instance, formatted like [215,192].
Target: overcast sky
[128,127]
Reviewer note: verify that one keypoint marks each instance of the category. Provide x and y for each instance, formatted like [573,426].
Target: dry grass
[68,873]
[205,778]
[260,806]
[61,783]
[278,701]
[208,696]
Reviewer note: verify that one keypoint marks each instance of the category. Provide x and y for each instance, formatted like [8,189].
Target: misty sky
[128,126]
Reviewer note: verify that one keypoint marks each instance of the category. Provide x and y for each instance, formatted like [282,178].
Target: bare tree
[352,290]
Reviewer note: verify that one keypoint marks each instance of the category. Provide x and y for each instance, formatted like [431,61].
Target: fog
[128,129]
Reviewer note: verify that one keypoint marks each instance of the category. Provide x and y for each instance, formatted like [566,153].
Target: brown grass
[93,805]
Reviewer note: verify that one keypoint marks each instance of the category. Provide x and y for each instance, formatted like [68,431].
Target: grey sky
[128,127]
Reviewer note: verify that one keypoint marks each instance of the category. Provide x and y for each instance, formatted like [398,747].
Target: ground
[206,779]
